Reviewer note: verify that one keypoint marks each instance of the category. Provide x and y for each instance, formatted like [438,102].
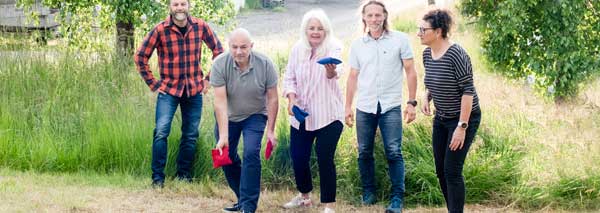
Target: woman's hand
[330,68]
[425,108]
[291,102]
[458,139]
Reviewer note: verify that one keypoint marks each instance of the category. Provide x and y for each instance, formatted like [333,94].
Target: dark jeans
[390,124]
[191,111]
[449,164]
[301,142]
[244,178]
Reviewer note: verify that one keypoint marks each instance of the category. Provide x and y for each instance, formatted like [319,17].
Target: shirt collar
[250,64]
[169,22]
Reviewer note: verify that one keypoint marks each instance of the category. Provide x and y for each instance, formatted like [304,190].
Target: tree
[79,18]
[551,43]
[430,2]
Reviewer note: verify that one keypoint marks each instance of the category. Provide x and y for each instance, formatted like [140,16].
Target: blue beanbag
[299,114]
[329,60]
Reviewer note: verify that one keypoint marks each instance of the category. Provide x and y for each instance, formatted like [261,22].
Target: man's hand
[410,113]
[223,142]
[206,87]
[271,136]
[349,117]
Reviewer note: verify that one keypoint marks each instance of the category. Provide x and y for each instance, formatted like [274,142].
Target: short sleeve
[271,74]
[353,59]
[405,48]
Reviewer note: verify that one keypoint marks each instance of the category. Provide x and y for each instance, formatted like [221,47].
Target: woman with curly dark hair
[449,83]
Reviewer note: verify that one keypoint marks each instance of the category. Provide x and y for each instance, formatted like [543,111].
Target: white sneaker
[298,201]
[328,210]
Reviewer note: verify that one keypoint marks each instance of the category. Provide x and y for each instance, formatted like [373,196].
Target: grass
[90,118]
[92,192]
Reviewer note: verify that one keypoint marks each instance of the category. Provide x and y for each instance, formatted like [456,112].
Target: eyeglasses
[423,29]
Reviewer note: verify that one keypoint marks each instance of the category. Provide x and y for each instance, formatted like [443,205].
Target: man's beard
[376,27]
[179,16]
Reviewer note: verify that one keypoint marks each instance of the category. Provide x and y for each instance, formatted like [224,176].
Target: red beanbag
[221,160]
[269,149]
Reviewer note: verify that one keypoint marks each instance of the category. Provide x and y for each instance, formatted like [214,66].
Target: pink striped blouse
[315,93]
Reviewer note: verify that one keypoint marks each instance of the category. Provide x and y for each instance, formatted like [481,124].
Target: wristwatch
[412,102]
[463,125]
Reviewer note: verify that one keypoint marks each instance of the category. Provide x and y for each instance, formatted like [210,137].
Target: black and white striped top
[448,79]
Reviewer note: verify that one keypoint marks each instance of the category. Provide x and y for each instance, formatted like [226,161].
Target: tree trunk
[125,39]
[430,2]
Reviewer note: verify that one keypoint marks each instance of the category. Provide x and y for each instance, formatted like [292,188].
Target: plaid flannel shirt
[178,56]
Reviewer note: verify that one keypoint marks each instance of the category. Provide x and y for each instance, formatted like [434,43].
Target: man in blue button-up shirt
[376,62]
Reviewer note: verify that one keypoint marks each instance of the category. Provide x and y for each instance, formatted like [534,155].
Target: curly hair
[440,19]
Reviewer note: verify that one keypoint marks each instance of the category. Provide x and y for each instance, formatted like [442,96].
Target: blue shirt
[379,65]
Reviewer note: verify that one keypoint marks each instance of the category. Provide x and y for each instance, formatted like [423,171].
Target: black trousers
[301,142]
[449,164]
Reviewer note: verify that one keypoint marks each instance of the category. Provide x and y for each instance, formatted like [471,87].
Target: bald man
[246,100]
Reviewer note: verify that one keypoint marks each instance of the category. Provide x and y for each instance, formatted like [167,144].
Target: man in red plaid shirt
[178,41]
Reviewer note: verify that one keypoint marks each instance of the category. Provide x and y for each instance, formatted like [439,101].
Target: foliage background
[553,44]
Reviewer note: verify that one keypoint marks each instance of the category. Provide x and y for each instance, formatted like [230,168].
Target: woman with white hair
[312,88]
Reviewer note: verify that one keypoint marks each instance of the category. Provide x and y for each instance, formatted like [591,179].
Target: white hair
[242,32]
[329,39]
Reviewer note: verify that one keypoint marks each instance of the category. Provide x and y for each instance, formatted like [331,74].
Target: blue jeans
[244,178]
[191,111]
[390,125]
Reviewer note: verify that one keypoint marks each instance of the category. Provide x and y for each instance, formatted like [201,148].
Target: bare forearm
[272,109]
[351,88]
[221,113]
[412,84]
[466,105]
[411,77]
[291,98]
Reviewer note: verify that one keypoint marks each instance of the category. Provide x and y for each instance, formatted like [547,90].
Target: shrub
[553,44]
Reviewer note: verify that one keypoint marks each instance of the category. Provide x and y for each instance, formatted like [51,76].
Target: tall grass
[79,112]
[91,113]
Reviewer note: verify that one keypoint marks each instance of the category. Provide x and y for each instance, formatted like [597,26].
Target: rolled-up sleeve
[142,57]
